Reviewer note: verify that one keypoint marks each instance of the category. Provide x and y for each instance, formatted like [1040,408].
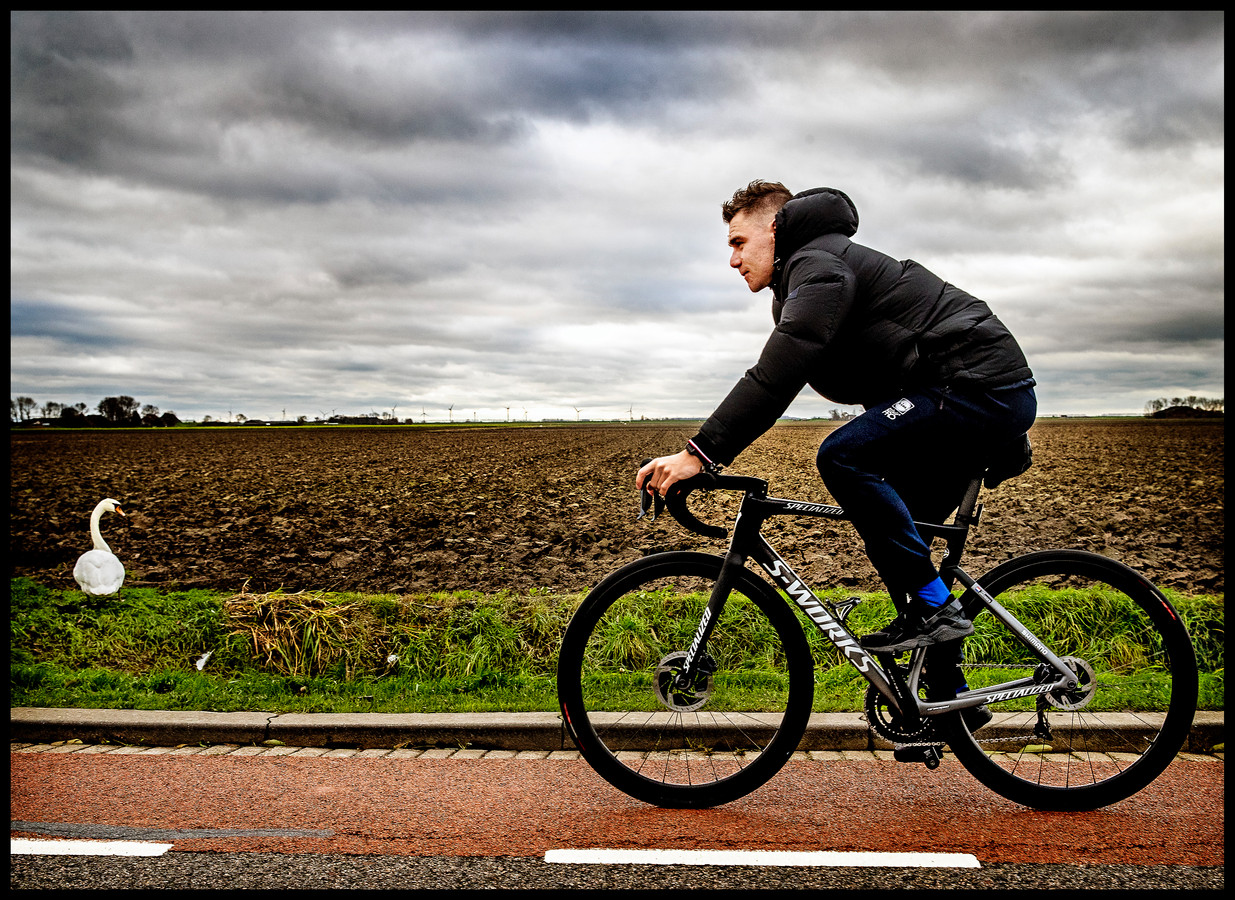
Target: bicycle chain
[1031,736]
[992,740]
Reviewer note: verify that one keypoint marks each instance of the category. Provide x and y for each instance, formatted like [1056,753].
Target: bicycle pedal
[930,755]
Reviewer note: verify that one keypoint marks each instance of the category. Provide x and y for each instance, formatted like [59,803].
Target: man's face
[752,238]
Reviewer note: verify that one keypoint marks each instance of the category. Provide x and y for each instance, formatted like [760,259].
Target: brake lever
[649,500]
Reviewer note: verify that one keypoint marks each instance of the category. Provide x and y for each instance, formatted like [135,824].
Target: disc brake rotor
[693,696]
[1086,686]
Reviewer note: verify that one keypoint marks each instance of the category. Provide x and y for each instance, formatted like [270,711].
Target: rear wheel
[1136,691]
[696,745]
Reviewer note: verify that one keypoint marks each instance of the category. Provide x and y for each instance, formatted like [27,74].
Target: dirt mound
[1186,412]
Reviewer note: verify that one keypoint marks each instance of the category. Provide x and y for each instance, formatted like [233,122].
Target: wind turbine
[451,411]
[577,411]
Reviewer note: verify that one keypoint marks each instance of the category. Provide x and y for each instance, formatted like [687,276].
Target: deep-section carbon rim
[1131,712]
[717,739]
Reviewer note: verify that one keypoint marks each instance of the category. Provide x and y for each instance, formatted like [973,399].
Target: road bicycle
[686,680]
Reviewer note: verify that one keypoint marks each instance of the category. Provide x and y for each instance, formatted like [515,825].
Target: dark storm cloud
[62,322]
[1156,75]
[1137,326]
[89,89]
[92,90]
[64,103]
[506,207]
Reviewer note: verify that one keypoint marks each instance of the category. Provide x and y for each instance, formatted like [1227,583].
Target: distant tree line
[111,412]
[1164,404]
[125,411]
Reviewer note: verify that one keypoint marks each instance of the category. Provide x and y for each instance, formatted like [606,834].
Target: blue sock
[933,595]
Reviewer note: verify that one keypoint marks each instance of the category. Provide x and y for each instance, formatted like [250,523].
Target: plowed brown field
[398,509]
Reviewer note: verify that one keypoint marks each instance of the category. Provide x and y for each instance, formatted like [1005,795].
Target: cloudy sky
[517,214]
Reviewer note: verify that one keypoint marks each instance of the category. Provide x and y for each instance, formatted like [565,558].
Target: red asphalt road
[492,807]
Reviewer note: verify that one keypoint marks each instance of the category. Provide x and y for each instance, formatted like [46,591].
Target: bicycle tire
[1131,715]
[753,710]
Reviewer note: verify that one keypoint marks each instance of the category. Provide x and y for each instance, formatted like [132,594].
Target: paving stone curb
[517,732]
[252,752]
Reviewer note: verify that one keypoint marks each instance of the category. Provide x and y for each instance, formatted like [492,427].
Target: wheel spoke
[1136,692]
[717,738]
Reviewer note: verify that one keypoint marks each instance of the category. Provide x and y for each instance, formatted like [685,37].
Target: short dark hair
[764,196]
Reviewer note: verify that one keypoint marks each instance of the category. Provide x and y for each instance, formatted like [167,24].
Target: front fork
[733,564]
[745,529]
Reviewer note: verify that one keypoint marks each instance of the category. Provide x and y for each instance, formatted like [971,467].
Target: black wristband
[693,449]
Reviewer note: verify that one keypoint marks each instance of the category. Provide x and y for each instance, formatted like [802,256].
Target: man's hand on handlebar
[662,473]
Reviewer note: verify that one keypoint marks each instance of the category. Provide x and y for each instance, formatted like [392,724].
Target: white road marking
[835,858]
[26,847]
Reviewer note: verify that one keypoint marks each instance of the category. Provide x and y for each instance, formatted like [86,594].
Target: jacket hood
[811,214]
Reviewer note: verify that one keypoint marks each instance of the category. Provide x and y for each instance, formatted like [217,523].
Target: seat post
[970,510]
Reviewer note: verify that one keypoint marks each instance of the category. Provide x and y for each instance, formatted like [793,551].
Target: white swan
[98,571]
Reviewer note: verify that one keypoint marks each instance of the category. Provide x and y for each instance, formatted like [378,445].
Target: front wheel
[675,745]
[1136,690]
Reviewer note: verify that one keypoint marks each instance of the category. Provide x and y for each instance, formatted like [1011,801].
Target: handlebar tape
[675,500]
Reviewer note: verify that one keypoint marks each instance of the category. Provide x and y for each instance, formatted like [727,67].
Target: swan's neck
[99,543]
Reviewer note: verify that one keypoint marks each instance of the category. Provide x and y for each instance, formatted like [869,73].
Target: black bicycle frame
[748,543]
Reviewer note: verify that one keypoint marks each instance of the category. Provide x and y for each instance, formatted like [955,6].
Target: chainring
[887,723]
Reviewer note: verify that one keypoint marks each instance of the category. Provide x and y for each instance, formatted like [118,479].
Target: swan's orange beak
[120,511]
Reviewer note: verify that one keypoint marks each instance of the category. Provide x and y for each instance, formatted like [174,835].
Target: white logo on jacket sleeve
[899,408]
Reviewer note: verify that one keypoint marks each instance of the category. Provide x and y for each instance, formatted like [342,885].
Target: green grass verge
[458,652]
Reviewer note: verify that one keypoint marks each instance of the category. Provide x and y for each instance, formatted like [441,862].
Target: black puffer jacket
[857,326]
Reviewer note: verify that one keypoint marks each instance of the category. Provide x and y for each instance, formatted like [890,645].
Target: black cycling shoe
[894,632]
[909,632]
[976,717]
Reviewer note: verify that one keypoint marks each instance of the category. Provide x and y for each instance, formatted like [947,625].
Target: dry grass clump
[310,633]
[306,633]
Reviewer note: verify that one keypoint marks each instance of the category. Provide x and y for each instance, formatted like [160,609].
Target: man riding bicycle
[944,384]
